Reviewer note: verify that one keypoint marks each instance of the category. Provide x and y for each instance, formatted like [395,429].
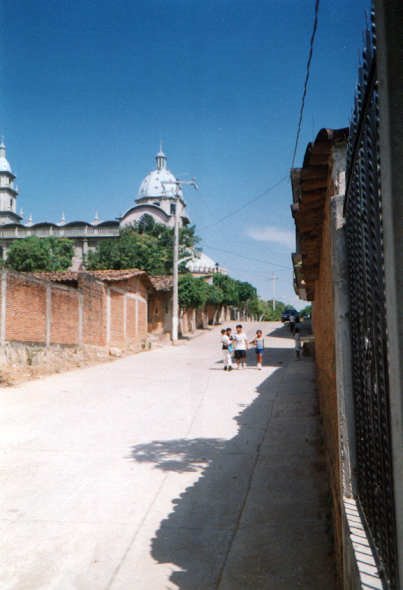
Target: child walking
[258,343]
[298,343]
[241,346]
[227,349]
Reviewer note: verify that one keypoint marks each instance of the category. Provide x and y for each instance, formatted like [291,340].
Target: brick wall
[94,304]
[142,319]
[25,309]
[322,321]
[36,311]
[117,322]
[64,318]
[131,321]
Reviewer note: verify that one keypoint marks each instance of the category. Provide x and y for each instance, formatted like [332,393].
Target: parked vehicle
[285,316]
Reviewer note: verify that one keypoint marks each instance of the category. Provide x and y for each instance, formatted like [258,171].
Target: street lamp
[175,300]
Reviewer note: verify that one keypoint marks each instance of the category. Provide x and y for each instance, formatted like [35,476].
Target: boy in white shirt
[226,344]
[241,346]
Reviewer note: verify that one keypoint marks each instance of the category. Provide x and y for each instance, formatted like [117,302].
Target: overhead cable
[307,74]
[246,204]
[237,255]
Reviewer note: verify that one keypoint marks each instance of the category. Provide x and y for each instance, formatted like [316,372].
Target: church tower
[8,192]
[160,196]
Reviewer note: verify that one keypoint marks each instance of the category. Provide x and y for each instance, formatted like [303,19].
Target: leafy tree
[130,250]
[40,254]
[192,292]
[147,245]
[214,295]
[246,292]
[229,288]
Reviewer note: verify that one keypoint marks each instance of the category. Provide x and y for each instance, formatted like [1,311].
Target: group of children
[238,344]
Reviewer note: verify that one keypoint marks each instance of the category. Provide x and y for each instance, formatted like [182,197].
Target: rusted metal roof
[310,186]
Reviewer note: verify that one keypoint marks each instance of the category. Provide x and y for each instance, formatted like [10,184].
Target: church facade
[159,196]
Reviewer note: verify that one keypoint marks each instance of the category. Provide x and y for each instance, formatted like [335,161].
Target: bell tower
[8,192]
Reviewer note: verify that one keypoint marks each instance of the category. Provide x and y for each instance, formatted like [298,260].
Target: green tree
[229,288]
[130,250]
[147,245]
[246,292]
[192,292]
[35,254]
[215,295]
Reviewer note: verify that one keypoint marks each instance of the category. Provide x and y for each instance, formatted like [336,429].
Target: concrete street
[161,471]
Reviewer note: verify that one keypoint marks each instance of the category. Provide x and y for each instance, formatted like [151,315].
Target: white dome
[159,183]
[201,263]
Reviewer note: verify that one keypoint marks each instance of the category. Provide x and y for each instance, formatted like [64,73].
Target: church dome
[160,182]
[4,163]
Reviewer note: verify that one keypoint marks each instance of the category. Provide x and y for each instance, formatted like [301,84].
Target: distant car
[285,316]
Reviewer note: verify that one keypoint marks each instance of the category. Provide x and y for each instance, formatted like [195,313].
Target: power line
[248,257]
[308,71]
[246,204]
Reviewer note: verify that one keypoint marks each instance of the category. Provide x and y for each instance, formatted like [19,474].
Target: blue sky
[89,88]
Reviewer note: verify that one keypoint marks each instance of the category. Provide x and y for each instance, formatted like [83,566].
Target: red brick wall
[142,320]
[94,311]
[117,318]
[64,316]
[30,312]
[137,286]
[26,310]
[131,333]
[323,326]
[133,286]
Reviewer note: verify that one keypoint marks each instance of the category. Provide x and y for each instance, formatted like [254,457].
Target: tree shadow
[214,539]
[180,455]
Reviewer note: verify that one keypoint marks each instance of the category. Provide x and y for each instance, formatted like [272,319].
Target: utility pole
[175,278]
[274,279]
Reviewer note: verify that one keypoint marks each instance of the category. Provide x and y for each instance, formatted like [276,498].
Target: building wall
[142,319]
[117,333]
[64,316]
[323,327]
[94,319]
[46,313]
[25,309]
[160,313]
[128,313]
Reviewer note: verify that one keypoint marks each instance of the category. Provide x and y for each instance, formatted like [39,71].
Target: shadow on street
[257,517]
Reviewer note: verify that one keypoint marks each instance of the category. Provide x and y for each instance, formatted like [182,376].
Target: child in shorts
[241,346]
[258,343]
